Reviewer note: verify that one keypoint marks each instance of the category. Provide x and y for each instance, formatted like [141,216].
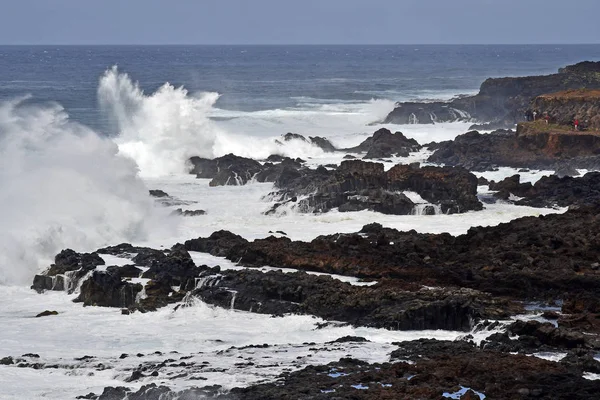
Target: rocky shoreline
[412,282]
[523,296]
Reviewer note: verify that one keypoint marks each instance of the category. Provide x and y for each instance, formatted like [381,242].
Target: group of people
[535,115]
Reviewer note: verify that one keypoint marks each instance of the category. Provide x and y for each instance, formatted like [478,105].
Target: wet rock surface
[385,144]
[358,185]
[531,257]
[423,281]
[423,369]
[68,269]
[227,170]
[383,306]
[551,191]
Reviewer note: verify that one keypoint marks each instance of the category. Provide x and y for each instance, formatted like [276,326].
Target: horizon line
[299,44]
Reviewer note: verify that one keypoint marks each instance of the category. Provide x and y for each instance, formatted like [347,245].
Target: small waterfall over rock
[233,296]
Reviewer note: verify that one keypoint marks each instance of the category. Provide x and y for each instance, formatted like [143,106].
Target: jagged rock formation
[318,141]
[385,144]
[358,185]
[227,170]
[234,170]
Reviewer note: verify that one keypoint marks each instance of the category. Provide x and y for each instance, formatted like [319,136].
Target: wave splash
[159,131]
[162,130]
[62,186]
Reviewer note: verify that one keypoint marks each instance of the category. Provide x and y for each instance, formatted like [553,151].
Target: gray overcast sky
[298,21]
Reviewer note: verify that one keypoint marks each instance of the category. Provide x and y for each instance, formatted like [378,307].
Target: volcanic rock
[384,144]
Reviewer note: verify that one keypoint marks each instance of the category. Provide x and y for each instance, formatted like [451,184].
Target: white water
[106,334]
[64,186]
[160,131]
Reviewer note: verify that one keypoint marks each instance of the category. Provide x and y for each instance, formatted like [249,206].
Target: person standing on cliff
[576,124]
[534,114]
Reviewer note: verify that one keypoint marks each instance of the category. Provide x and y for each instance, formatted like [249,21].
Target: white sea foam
[200,328]
[62,186]
[161,130]
[244,215]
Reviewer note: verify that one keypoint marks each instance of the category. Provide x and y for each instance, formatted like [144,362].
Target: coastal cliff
[500,100]
[566,106]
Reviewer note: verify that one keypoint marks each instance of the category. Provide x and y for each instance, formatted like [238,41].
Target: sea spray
[162,130]
[62,185]
[159,131]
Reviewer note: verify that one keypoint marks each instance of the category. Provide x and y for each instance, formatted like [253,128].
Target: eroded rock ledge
[533,145]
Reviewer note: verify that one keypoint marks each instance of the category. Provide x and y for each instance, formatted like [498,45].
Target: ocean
[85,132]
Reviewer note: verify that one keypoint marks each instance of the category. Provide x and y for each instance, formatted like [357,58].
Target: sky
[299,22]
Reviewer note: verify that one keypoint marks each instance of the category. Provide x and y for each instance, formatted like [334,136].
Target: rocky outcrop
[453,189]
[552,191]
[66,272]
[532,146]
[426,113]
[108,290]
[500,100]
[358,185]
[189,213]
[384,144]
[317,141]
[158,193]
[173,277]
[529,258]
[382,306]
[234,170]
[227,170]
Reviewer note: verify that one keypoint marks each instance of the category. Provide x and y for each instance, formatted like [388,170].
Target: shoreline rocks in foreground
[423,369]
[547,258]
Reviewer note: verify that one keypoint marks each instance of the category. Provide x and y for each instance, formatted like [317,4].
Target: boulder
[66,272]
[227,170]
[107,290]
[384,144]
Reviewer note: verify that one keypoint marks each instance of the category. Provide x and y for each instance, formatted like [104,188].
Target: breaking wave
[62,186]
[162,130]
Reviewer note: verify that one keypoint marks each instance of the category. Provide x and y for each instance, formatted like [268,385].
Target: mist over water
[63,186]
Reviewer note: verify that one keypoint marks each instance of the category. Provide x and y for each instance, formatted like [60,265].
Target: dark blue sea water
[251,78]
